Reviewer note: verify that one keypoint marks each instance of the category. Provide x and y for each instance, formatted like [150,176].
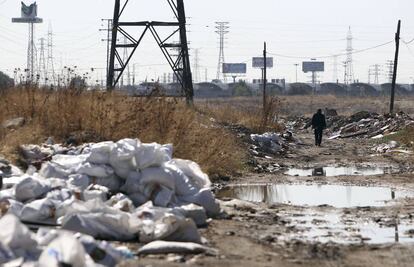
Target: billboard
[234,68]
[313,66]
[28,14]
[258,62]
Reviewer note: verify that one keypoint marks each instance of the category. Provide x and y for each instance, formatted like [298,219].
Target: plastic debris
[164,247]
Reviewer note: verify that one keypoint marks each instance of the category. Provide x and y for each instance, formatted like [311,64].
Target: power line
[331,56]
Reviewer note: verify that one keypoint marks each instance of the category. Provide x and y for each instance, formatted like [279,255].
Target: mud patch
[338,196]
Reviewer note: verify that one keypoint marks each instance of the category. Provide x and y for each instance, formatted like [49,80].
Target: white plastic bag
[193,171]
[153,155]
[95,170]
[167,247]
[38,211]
[99,153]
[64,250]
[30,188]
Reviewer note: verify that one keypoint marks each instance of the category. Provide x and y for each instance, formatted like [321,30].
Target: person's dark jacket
[318,121]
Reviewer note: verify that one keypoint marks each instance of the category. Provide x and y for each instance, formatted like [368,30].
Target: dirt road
[287,234]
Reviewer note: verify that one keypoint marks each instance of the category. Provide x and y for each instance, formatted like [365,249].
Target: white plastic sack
[132,184]
[38,211]
[79,181]
[30,188]
[64,250]
[121,157]
[206,199]
[121,202]
[193,171]
[153,155]
[17,237]
[54,170]
[167,247]
[94,170]
[154,223]
[99,153]
[100,225]
[194,212]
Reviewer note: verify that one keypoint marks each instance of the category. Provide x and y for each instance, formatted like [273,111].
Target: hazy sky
[295,28]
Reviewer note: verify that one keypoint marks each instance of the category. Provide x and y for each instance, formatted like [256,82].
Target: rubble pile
[363,124]
[123,191]
[263,145]
[370,125]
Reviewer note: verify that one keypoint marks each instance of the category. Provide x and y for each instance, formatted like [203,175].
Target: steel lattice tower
[196,76]
[221,30]
[335,69]
[180,64]
[42,62]
[50,68]
[31,55]
[349,69]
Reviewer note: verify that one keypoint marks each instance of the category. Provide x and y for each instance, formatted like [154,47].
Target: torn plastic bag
[100,225]
[39,211]
[167,247]
[65,250]
[18,237]
[193,171]
[156,223]
[99,153]
[30,188]
[153,155]
[75,206]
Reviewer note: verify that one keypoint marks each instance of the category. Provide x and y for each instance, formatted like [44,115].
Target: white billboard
[313,66]
[258,62]
[236,68]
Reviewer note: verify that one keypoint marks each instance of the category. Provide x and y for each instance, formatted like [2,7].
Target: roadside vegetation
[80,116]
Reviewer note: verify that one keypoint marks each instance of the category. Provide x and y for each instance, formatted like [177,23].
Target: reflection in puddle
[311,195]
[330,228]
[339,171]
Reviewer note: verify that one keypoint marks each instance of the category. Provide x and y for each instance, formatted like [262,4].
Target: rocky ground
[260,234]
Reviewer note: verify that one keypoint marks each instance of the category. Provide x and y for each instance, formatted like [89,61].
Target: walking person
[318,124]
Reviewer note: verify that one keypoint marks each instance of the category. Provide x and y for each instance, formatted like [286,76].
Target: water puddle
[338,196]
[340,171]
[333,227]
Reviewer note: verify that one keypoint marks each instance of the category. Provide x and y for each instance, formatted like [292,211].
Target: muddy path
[271,233]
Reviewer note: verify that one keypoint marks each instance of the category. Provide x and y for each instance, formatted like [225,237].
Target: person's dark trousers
[318,136]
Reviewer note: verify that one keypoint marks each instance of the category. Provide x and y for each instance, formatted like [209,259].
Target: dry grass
[246,111]
[98,116]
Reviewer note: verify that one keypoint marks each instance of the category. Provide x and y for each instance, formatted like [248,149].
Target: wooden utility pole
[394,76]
[264,78]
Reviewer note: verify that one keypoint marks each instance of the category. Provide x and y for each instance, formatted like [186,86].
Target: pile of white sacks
[124,191]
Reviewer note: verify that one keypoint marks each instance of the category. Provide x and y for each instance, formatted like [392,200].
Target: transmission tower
[42,61]
[180,65]
[390,70]
[50,68]
[335,69]
[374,70]
[221,30]
[108,31]
[196,66]
[349,69]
